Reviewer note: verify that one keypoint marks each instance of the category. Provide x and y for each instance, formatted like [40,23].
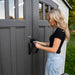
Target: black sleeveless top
[59,33]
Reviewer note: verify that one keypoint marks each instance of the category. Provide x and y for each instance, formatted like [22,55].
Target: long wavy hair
[58,17]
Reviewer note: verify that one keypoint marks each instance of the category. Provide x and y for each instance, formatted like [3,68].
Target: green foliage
[72,27]
[70,56]
[72,14]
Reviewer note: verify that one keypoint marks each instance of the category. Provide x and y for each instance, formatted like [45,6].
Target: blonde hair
[58,17]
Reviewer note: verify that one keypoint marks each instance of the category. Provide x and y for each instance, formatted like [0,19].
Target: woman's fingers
[37,45]
[37,42]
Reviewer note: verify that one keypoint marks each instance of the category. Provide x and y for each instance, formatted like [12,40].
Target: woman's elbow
[55,50]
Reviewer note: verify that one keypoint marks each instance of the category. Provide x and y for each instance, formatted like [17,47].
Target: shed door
[15,29]
[41,32]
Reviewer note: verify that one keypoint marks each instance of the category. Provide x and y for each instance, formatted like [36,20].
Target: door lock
[31,46]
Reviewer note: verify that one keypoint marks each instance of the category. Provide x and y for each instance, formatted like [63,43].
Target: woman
[54,59]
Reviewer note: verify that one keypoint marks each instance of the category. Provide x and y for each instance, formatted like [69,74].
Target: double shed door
[20,20]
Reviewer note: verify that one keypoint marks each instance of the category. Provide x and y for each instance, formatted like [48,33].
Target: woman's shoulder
[59,33]
[59,30]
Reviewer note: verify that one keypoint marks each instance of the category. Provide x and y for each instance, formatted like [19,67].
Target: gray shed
[21,20]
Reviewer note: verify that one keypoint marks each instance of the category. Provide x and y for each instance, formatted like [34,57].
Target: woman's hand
[43,43]
[38,42]
[37,45]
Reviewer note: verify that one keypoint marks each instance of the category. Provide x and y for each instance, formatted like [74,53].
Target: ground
[70,55]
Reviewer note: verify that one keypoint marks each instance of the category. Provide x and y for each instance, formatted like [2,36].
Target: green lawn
[72,33]
[70,56]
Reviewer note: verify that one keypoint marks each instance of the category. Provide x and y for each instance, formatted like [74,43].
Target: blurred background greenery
[70,53]
[72,15]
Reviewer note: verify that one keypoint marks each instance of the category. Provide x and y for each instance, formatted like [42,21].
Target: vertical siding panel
[0,56]
[5,64]
[13,50]
[38,61]
[27,57]
[20,51]
[41,60]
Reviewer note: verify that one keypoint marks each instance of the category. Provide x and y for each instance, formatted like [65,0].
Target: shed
[21,20]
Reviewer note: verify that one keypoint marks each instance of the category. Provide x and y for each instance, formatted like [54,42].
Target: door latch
[31,46]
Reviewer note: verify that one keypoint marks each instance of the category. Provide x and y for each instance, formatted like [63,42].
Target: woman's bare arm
[52,49]
[43,43]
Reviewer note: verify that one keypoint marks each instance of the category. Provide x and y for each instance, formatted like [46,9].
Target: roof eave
[67,4]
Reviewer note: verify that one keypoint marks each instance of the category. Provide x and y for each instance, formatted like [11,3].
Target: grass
[70,56]
[72,33]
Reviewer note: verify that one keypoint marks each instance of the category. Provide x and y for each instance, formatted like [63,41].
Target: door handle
[31,46]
